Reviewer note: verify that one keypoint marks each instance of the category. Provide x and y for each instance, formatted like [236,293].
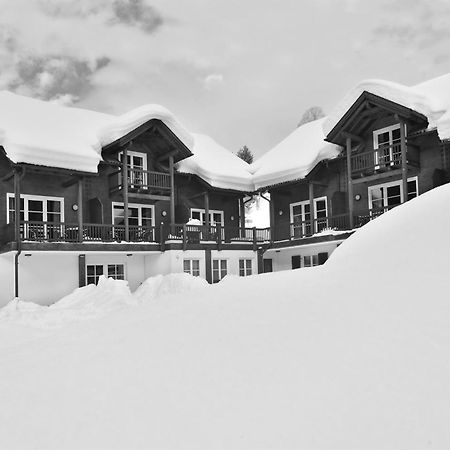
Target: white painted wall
[46,277]
[281,258]
[233,257]
[6,278]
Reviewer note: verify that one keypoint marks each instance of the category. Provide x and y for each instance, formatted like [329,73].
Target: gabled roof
[294,157]
[43,133]
[430,99]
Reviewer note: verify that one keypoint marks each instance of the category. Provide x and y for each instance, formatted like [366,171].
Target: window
[245,267]
[137,164]
[192,266]
[301,217]
[42,215]
[310,260]
[386,142]
[215,216]
[138,215]
[37,208]
[95,271]
[385,196]
[219,269]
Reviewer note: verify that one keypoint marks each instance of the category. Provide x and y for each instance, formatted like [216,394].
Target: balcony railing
[384,158]
[336,223]
[70,232]
[36,231]
[140,180]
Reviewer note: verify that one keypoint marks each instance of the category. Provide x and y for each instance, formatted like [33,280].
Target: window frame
[195,272]
[202,213]
[105,271]
[303,224]
[219,270]
[28,197]
[247,269]
[387,185]
[376,145]
[139,207]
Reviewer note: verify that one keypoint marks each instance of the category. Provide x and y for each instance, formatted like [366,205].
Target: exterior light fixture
[164,213]
[280,212]
[232,218]
[357,197]
[75,207]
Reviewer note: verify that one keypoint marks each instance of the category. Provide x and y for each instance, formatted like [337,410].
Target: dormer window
[387,146]
[137,165]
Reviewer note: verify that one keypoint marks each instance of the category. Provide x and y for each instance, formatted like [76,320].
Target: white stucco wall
[233,257]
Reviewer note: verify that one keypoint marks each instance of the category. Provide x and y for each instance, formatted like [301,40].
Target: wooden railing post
[172,193]
[254,240]
[219,236]
[162,240]
[184,238]
[125,192]
[404,161]
[80,209]
[311,207]
[349,180]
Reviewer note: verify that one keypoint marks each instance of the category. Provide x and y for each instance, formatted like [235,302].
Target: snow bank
[350,355]
[431,98]
[294,157]
[92,302]
[217,166]
[43,133]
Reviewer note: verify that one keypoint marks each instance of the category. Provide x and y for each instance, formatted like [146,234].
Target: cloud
[133,13]
[212,80]
[417,27]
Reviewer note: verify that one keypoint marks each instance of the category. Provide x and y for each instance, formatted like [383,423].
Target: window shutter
[323,257]
[296,262]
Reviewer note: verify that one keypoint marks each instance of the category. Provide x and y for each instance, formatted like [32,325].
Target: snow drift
[350,355]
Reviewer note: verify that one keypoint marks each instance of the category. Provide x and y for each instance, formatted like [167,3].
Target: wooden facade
[388,157]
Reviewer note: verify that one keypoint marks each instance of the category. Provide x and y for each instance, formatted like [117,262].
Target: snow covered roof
[217,166]
[43,133]
[431,98]
[295,156]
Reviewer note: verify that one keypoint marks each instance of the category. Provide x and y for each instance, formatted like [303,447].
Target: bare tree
[313,113]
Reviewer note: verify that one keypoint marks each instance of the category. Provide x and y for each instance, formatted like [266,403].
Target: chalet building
[85,194]
[383,145]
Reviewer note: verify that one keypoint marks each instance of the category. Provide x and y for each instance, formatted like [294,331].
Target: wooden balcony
[70,232]
[334,224]
[386,158]
[139,180]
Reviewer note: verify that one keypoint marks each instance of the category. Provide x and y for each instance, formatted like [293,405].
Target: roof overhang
[367,108]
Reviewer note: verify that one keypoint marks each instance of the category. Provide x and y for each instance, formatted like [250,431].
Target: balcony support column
[17,237]
[348,143]
[80,209]
[125,192]
[404,161]
[172,193]
[242,215]
[206,200]
[311,206]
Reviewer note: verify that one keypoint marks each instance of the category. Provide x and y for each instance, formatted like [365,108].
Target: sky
[242,71]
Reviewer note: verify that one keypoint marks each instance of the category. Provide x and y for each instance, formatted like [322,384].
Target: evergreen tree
[245,154]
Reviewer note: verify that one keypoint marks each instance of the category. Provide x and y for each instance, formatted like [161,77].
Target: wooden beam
[242,213]
[80,210]
[172,190]
[350,181]
[125,192]
[8,176]
[356,138]
[206,200]
[311,206]
[149,196]
[404,161]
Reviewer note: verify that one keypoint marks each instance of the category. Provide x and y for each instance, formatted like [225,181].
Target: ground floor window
[192,266]
[219,269]
[299,261]
[245,267]
[95,271]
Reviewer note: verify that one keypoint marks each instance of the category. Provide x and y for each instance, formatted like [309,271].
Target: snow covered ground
[351,355]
